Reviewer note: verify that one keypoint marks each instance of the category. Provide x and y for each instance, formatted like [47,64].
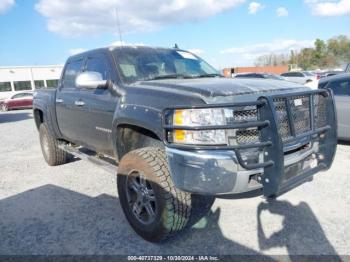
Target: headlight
[197,118]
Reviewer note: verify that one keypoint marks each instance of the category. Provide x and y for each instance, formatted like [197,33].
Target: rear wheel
[4,108]
[53,155]
[153,206]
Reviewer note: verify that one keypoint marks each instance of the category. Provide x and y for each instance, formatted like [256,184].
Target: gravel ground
[74,209]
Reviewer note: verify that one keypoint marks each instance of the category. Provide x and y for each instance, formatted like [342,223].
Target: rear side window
[340,87]
[5,86]
[99,65]
[22,85]
[348,68]
[71,72]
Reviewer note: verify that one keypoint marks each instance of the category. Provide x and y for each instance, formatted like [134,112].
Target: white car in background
[304,77]
[340,85]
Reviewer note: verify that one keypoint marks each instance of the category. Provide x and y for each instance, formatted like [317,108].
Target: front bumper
[219,172]
[209,172]
[282,164]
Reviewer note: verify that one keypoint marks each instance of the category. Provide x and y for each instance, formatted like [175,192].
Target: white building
[14,79]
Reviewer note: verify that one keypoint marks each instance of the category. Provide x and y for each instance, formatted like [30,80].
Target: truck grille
[282,118]
[246,136]
[320,110]
[300,115]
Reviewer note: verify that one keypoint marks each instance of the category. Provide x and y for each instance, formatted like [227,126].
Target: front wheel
[153,206]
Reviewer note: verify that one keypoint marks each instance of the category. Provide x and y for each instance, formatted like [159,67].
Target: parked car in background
[303,77]
[17,101]
[259,75]
[340,84]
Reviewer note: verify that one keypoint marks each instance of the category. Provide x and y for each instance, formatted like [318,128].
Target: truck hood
[221,87]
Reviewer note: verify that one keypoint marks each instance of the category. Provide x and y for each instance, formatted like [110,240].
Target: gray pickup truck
[178,134]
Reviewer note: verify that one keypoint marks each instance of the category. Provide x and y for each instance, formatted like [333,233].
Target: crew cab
[178,134]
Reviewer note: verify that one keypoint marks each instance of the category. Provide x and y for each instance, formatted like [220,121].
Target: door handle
[79,103]
[59,100]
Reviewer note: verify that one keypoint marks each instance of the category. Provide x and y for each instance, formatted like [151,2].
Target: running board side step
[84,154]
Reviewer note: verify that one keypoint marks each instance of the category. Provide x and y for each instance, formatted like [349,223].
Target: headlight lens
[197,118]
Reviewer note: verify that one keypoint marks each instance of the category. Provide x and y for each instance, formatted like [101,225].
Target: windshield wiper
[170,76]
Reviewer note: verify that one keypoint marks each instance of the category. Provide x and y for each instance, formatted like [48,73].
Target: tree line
[332,53]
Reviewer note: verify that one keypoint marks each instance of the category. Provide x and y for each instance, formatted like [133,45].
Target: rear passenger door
[341,91]
[67,93]
[98,106]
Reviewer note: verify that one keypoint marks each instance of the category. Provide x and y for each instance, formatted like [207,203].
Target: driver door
[96,107]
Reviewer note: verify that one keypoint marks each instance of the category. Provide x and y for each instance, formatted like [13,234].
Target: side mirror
[91,80]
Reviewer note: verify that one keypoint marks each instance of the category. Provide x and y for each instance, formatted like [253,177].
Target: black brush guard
[273,178]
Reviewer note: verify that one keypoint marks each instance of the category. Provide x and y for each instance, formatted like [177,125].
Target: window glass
[39,84]
[24,95]
[257,76]
[293,74]
[142,64]
[99,65]
[286,74]
[22,85]
[273,76]
[128,70]
[296,74]
[5,86]
[248,76]
[340,87]
[241,76]
[322,85]
[308,74]
[16,96]
[52,83]
[72,70]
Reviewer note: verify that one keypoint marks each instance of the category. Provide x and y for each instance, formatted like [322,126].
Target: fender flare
[144,117]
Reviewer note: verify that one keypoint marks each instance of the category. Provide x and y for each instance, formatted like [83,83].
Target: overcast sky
[224,32]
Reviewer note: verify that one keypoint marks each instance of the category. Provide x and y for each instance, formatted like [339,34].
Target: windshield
[308,73]
[140,64]
[273,76]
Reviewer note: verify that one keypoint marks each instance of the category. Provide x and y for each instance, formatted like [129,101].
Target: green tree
[325,54]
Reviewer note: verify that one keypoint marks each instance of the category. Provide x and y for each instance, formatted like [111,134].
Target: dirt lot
[74,209]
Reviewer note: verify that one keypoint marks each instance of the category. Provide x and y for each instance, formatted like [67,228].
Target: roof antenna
[176,46]
[118,25]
